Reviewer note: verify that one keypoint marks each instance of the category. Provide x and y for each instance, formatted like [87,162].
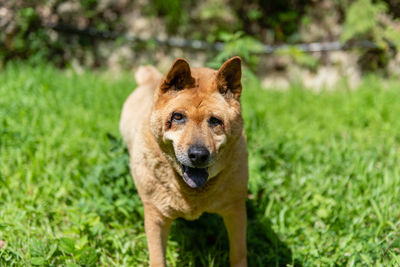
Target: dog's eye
[178,117]
[213,121]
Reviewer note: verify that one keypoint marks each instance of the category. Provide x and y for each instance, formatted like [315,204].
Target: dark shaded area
[282,17]
[375,60]
[207,237]
[393,7]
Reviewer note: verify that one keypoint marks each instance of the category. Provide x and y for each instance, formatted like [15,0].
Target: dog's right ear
[229,78]
[178,77]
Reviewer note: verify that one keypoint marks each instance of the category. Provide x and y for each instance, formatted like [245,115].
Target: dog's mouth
[194,177]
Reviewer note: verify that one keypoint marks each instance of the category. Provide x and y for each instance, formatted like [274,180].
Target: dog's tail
[147,75]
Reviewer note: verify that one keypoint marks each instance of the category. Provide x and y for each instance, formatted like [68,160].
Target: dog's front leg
[157,229]
[235,222]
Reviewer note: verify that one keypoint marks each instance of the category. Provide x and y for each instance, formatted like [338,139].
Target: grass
[324,168]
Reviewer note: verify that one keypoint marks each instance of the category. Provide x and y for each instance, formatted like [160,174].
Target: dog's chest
[190,208]
[192,215]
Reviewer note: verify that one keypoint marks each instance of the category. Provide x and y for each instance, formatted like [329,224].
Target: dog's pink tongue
[195,177]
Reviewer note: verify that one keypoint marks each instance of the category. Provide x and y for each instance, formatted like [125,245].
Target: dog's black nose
[198,154]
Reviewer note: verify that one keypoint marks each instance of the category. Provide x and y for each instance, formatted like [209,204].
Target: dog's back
[138,105]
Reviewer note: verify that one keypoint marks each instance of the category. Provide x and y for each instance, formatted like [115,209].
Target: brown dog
[187,147]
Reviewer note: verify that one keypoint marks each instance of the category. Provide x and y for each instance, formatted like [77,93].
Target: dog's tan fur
[155,142]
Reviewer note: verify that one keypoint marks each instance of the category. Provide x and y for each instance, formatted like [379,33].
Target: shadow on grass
[204,242]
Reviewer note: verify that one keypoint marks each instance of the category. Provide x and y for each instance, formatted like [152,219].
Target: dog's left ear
[178,77]
[229,78]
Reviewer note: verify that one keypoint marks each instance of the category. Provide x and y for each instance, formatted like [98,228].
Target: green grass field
[324,167]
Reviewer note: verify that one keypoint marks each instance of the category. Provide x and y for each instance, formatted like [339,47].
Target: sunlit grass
[324,168]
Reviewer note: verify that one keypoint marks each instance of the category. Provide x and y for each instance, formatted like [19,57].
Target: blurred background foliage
[26,33]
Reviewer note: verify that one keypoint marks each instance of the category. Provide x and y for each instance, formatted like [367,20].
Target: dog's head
[196,118]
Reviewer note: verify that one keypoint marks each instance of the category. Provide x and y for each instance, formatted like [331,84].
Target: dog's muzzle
[195,165]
